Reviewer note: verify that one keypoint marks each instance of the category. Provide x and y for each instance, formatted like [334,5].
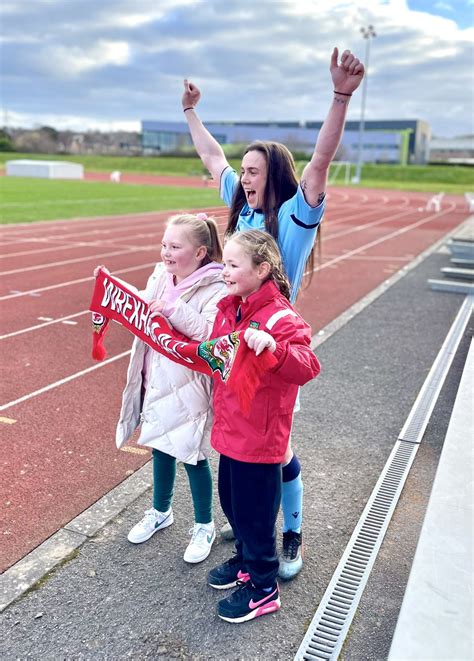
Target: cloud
[122,61]
[443,6]
[62,60]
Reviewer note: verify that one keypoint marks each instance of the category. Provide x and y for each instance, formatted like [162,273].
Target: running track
[59,408]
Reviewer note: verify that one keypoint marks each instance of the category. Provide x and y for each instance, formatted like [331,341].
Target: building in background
[458,150]
[390,141]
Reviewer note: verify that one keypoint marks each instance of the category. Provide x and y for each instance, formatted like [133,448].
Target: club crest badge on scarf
[227,357]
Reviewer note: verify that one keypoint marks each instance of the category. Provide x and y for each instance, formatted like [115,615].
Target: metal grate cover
[331,622]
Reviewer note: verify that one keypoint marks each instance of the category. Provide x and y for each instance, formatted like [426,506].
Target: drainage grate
[331,622]
[333,618]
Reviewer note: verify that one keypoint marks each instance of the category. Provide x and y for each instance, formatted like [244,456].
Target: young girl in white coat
[171,402]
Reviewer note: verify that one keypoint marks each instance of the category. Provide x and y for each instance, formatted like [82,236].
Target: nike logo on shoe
[256,604]
[243,576]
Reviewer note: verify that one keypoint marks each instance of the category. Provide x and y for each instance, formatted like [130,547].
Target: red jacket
[263,436]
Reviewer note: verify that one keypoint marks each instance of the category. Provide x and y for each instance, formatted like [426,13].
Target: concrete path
[112,601]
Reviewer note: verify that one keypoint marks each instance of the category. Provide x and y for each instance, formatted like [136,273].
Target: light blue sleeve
[297,230]
[228,184]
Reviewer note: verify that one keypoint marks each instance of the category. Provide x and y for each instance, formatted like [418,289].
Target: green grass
[452,179]
[455,179]
[28,200]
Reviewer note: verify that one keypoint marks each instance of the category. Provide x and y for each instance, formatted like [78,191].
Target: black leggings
[250,498]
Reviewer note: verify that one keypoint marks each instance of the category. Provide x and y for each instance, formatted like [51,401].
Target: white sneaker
[151,522]
[203,536]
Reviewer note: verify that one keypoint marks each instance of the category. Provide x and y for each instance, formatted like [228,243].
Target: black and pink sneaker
[247,603]
[227,575]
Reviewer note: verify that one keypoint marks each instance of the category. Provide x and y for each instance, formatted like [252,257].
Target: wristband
[342,93]
[188,108]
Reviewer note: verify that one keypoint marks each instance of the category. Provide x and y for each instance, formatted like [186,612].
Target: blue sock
[292,496]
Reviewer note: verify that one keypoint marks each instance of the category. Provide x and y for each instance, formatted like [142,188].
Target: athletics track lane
[60,454]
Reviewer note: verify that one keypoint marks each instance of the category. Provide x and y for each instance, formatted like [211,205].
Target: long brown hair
[281,185]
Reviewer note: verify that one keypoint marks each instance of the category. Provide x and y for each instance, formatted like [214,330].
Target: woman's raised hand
[348,74]
[191,95]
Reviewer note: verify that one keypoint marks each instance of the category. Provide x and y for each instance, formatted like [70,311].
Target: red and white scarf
[227,357]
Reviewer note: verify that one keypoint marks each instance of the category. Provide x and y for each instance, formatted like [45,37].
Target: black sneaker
[247,602]
[227,575]
[291,560]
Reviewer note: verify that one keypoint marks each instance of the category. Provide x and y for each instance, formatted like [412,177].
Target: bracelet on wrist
[188,108]
[342,93]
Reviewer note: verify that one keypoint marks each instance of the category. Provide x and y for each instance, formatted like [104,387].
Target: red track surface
[59,453]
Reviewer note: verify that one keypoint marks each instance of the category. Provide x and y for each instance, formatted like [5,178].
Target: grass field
[454,178]
[27,200]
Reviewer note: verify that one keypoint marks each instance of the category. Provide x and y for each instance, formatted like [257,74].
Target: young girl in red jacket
[253,446]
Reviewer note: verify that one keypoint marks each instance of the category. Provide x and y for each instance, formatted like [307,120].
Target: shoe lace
[198,534]
[234,560]
[242,593]
[291,544]
[148,517]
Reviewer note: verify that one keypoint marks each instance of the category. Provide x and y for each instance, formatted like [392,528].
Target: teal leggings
[200,483]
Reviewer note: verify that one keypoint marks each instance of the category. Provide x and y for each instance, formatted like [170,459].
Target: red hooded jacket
[263,436]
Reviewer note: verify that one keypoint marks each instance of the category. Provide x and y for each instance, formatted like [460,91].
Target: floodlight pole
[368,33]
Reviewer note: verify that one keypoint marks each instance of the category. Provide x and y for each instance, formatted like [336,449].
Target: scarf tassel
[247,372]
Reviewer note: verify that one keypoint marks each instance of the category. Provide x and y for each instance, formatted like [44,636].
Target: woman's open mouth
[251,197]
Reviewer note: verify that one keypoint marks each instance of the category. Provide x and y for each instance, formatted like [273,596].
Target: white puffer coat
[176,415]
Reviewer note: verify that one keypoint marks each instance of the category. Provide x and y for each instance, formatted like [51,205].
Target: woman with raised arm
[267,196]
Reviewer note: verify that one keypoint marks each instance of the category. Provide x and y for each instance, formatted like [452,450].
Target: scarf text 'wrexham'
[227,357]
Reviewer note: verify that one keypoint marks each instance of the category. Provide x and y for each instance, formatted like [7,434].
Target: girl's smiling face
[253,177]
[240,274]
[180,255]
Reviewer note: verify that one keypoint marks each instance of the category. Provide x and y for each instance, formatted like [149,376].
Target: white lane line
[48,322]
[68,321]
[76,260]
[361,228]
[119,232]
[99,243]
[61,382]
[45,318]
[7,421]
[34,292]
[18,292]
[376,258]
[121,218]
[376,242]
[132,449]
[63,246]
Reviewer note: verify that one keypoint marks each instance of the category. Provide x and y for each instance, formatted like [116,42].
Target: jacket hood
[206,275]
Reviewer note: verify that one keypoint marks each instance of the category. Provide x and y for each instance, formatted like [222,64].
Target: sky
[108,64]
